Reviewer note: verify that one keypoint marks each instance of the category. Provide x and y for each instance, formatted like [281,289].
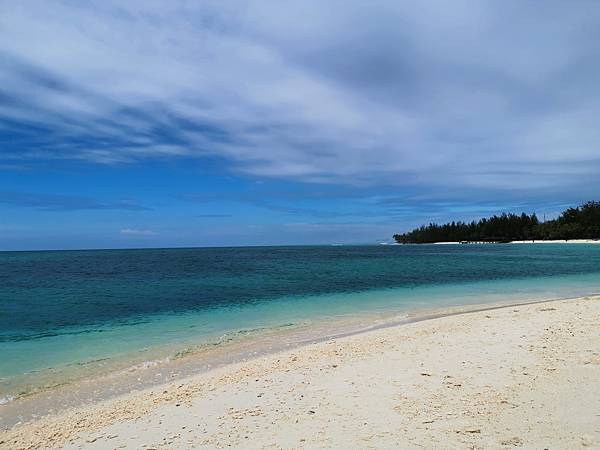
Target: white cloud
[458,94]
[136,232]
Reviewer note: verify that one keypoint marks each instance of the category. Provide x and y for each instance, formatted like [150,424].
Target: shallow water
[67,314]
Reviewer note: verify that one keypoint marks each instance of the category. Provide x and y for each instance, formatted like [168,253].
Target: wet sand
[526,375]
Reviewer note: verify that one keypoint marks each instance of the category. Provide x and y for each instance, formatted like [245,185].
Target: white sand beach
[554,241]
[519,376]
[560,241]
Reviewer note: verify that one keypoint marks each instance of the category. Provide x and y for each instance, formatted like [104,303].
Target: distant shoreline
[550,241]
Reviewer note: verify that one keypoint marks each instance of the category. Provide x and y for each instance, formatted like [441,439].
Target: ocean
[64,314]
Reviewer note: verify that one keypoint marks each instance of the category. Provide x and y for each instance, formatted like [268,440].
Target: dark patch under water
[55,292]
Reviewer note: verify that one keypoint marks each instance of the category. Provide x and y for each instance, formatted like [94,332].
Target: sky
[180,123]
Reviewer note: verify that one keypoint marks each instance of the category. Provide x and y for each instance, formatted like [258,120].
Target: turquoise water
[66,309]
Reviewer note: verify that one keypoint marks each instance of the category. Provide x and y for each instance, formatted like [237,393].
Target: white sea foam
[6,399]
[148,364]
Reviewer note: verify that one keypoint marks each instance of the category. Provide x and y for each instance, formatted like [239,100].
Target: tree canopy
[582,222]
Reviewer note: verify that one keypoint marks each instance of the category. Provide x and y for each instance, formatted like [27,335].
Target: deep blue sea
[64,308]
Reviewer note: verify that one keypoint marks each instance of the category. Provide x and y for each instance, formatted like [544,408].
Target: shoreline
[537,241]
[76,384]
[148,397]
[208,356]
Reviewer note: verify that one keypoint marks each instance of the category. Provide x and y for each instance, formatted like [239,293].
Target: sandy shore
[517,376]
[560,241]
[556,241]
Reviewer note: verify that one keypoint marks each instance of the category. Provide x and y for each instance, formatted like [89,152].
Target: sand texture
[526,376]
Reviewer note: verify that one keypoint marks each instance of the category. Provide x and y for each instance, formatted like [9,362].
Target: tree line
[582,222]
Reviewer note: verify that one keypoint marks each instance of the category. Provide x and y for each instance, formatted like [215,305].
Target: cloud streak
[53,202]
[136,232]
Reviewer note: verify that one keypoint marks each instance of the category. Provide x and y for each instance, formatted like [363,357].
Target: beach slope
[516,376]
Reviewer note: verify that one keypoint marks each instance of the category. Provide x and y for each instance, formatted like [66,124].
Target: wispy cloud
[64,202]
[212,216]
[136,232]
[286,202]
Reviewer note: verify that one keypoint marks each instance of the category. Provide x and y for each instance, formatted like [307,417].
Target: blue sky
[154,123]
